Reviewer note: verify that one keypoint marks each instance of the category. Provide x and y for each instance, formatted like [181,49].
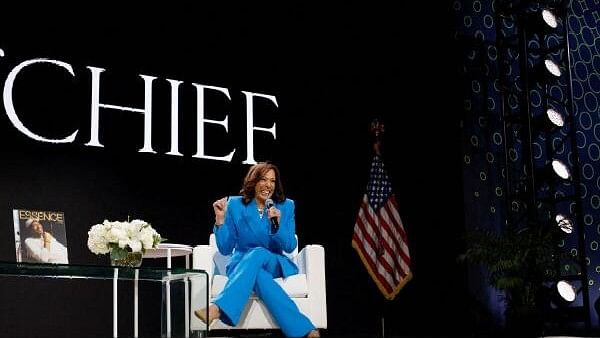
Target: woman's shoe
[313,334]
[213,313]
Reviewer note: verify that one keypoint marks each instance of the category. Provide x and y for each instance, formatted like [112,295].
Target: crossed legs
[214,313]
[255,272]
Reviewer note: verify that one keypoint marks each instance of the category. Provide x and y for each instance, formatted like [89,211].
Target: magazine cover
[40,236]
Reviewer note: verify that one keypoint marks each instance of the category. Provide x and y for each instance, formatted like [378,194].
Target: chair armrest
[311,261]
[300,260]
[202,258]
[311,257]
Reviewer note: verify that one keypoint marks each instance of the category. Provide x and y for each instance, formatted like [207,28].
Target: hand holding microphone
[274,215]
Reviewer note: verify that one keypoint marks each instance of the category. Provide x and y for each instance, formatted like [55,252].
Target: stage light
[544,70]
[542,21]
[552,67]
[549,18]
[564,223]
[566,291]
[549,121]
[555,117]
[562,294]
[561,169]
[551,172]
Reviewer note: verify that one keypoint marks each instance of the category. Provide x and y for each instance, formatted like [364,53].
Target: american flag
[379,236]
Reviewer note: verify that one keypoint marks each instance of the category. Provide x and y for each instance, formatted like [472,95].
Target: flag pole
[377,129]
[383,319]
[379,237]
[384,311]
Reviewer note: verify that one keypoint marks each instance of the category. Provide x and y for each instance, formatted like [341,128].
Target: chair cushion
[295,285]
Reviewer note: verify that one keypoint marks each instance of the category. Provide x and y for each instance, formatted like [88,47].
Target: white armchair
[307,288]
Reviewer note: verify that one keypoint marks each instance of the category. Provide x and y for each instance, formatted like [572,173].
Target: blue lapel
[256,224]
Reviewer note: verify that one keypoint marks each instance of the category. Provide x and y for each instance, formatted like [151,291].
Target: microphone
[274,223]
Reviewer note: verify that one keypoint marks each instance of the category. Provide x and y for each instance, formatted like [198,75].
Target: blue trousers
[255,272]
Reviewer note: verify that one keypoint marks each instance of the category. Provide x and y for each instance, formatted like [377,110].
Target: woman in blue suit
[243,226]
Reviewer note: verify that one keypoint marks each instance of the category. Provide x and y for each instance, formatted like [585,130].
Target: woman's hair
[254,175]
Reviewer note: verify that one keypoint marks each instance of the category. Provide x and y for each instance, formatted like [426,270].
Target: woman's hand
[274,212]
[47,238]
[220,208]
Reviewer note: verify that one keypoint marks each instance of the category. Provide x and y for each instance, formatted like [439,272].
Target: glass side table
[165,276]
[169,251]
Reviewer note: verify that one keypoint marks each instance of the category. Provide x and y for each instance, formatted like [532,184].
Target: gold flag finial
[377,129]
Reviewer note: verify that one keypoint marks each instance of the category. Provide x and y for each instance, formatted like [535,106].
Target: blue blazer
[244,229]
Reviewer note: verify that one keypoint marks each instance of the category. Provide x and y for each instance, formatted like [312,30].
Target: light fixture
[564,223]
[566,291]
[551,172]
[549,18]
[555,117]
[544,20]
[562,294]
[552,67]
[561,169]
[565,303]
[549,121]
[544,69]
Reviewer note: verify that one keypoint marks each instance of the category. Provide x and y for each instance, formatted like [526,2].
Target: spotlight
[549,121]
[545,70]
[542,21]
[566,291]
[549,18]
[561,169]
[563,294]
[552,67]
[550,172]
[564,305]
[555,117]
[564,223]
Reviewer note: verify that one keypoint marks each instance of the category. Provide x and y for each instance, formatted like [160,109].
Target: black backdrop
[332,70]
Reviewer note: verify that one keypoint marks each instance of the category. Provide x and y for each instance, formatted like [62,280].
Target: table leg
[168,294]
[187,307]
[115,306]
[135,303]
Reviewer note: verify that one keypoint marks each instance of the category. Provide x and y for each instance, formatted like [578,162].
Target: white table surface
[162,251]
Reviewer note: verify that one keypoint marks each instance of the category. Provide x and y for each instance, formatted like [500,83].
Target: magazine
[40,236]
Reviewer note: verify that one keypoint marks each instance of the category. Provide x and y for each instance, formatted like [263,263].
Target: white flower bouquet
[122,239]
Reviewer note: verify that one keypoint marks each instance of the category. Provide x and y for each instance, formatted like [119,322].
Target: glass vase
[132,260]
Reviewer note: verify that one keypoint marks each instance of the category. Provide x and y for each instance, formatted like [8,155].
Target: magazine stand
[165,276]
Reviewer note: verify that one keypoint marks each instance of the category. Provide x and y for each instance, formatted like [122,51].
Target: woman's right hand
[47,238]
[220,207]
